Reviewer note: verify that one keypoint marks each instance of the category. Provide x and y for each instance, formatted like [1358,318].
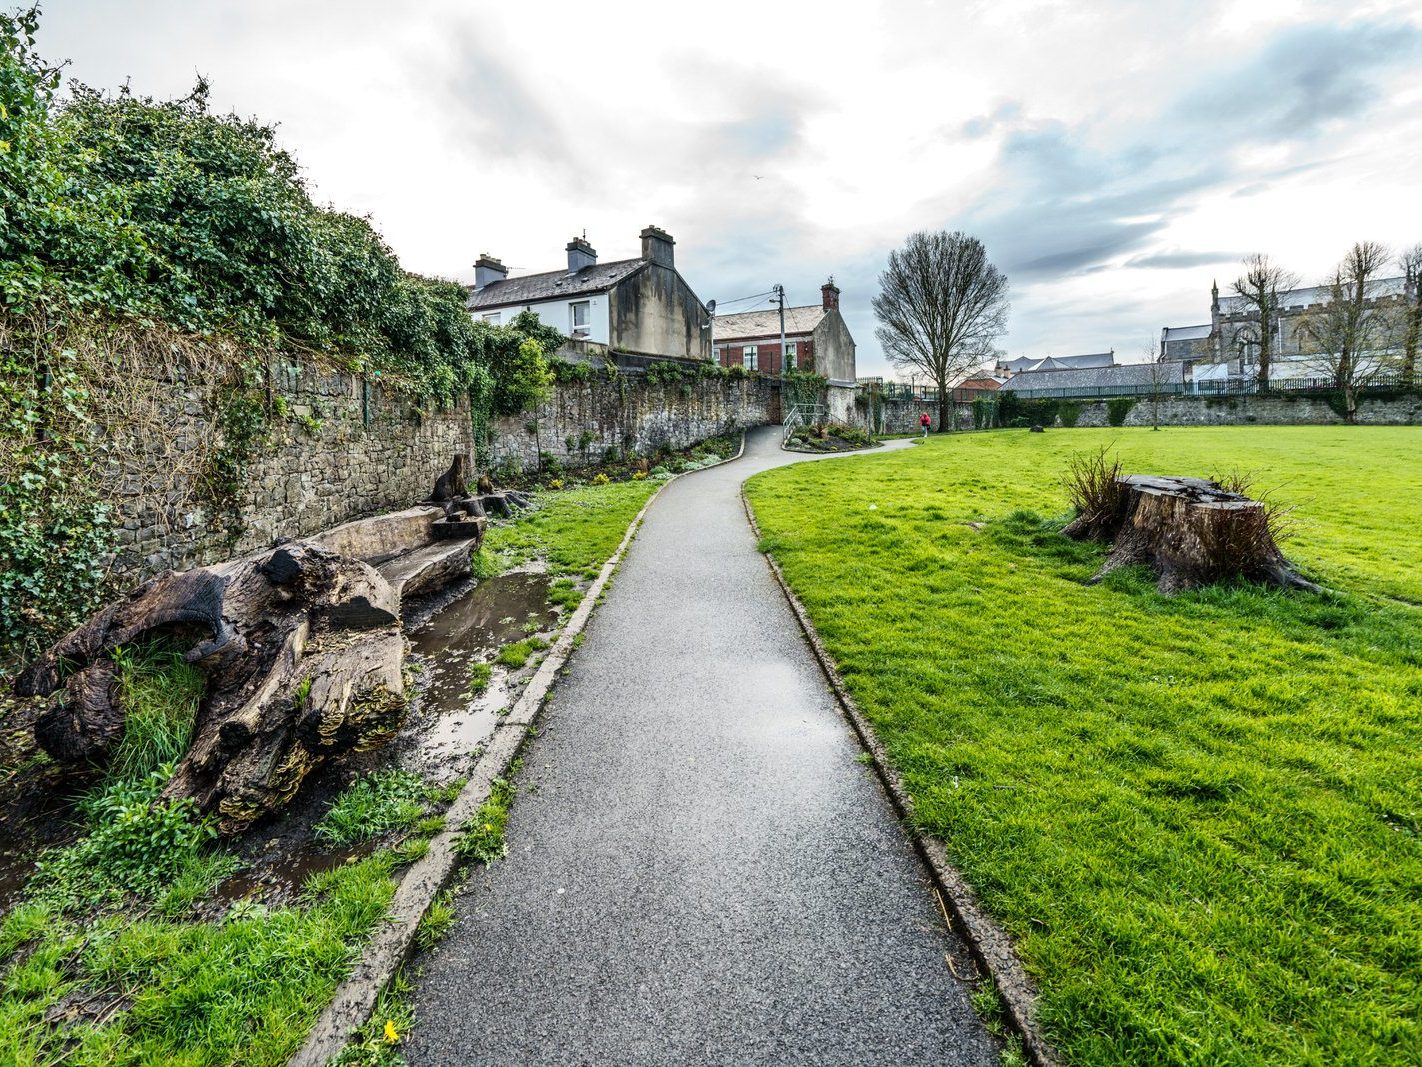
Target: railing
[802,415]
[1211,387]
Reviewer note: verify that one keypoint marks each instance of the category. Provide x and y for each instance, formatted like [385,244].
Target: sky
[1114,157]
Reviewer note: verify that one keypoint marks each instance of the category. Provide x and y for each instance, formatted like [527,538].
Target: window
[748,357]
[716,355]
[791,351]
[493,317]
[581,313]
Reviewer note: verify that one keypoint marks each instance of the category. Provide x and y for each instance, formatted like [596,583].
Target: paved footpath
[699,870]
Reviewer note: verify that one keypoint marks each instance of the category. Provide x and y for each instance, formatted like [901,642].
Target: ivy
[123,212]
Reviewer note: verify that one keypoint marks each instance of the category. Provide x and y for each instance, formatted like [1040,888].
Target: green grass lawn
[1198,816]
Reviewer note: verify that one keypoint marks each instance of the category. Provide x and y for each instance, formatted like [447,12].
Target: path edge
[355,998]
[989,944]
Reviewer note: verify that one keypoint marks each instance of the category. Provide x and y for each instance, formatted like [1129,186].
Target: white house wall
[559,315]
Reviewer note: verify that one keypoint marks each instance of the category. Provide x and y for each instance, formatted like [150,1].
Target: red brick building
[816,340]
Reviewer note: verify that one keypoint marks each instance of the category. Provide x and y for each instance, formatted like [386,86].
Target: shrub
[1117,408]
[135,844]
[1069,411]
[1097,496]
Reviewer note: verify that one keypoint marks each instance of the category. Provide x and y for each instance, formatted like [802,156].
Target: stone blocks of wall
[1280,409]
[585,422]
[345,448]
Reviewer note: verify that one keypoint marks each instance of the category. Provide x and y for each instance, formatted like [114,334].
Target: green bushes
[123,215]
[136,845]
[1118,408]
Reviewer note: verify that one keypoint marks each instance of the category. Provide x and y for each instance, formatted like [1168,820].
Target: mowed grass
[573,529]
[1198,816]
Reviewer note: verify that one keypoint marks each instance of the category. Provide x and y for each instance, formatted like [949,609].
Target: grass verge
[1198,816]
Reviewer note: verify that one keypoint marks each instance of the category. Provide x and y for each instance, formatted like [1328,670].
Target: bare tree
[940,307]
[1353,333]
[1259,288]
[1411,264]
[1160,378]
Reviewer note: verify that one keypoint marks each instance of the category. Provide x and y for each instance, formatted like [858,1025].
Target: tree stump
[1190,531]
[302,651]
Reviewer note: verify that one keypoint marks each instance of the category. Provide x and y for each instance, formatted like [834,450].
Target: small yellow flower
[391,1034]
[488,826]
[4,146]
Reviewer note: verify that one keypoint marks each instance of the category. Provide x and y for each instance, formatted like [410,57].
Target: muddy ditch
[453,709]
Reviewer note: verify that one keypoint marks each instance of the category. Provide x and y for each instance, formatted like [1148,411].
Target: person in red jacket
[925,422]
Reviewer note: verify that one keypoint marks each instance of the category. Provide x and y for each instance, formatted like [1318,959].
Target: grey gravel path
[700,871]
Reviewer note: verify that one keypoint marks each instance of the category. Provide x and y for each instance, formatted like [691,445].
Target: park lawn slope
[1198,816]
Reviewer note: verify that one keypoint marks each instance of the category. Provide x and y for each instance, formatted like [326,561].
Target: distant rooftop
[553,285]
[1125,374]
[766,323]
[1188,333]
[1056,363]
[1313,295]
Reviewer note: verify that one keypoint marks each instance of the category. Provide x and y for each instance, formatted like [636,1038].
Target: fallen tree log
[1192,532]
[302,651]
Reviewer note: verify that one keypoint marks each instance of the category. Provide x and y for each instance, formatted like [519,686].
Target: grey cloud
[1063,206]
[1303,79]
[1177,258]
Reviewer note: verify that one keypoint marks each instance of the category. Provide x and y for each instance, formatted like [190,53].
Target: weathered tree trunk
[1190,531]
[302,652]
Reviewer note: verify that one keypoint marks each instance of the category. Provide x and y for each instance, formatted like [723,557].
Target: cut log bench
[301,647]
[1190,531]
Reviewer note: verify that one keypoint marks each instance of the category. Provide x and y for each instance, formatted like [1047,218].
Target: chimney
[487,269]
[829,295]
[657,246]
[580,254]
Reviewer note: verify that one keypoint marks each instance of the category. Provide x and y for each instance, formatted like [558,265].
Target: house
[974,387]
[1186,342]
[1232,334]
[1010,367]
[1128,379]
[816,340]
[631,311]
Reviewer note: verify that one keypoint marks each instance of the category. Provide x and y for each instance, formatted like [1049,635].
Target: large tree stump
[302,652]
[1192,532]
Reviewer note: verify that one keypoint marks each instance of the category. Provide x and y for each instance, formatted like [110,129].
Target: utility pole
[711,327]
[779,298]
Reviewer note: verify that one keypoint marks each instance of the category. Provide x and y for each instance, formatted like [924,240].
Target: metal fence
[1221,387]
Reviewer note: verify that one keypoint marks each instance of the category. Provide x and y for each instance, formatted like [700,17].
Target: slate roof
[1130,375]
[1312,295]
[1035,363]
[1188,333]
[766,323]
[553,285]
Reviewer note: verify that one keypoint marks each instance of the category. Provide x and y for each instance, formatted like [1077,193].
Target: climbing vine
[152,251]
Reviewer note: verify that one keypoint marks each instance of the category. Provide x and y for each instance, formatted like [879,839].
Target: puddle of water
[452,720]
[278,881]
[490,615]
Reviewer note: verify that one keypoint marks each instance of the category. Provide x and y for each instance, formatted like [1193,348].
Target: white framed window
[792,350]
[749,355]
[580,318]
[493,317]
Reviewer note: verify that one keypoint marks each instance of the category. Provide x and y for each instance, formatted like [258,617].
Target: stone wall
[1275,410]
[587,421]
[347,447]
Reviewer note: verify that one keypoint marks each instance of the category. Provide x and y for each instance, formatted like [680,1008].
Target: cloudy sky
[1113,156]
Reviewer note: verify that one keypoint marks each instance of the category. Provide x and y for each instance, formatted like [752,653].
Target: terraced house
[631,311]
[816,339]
